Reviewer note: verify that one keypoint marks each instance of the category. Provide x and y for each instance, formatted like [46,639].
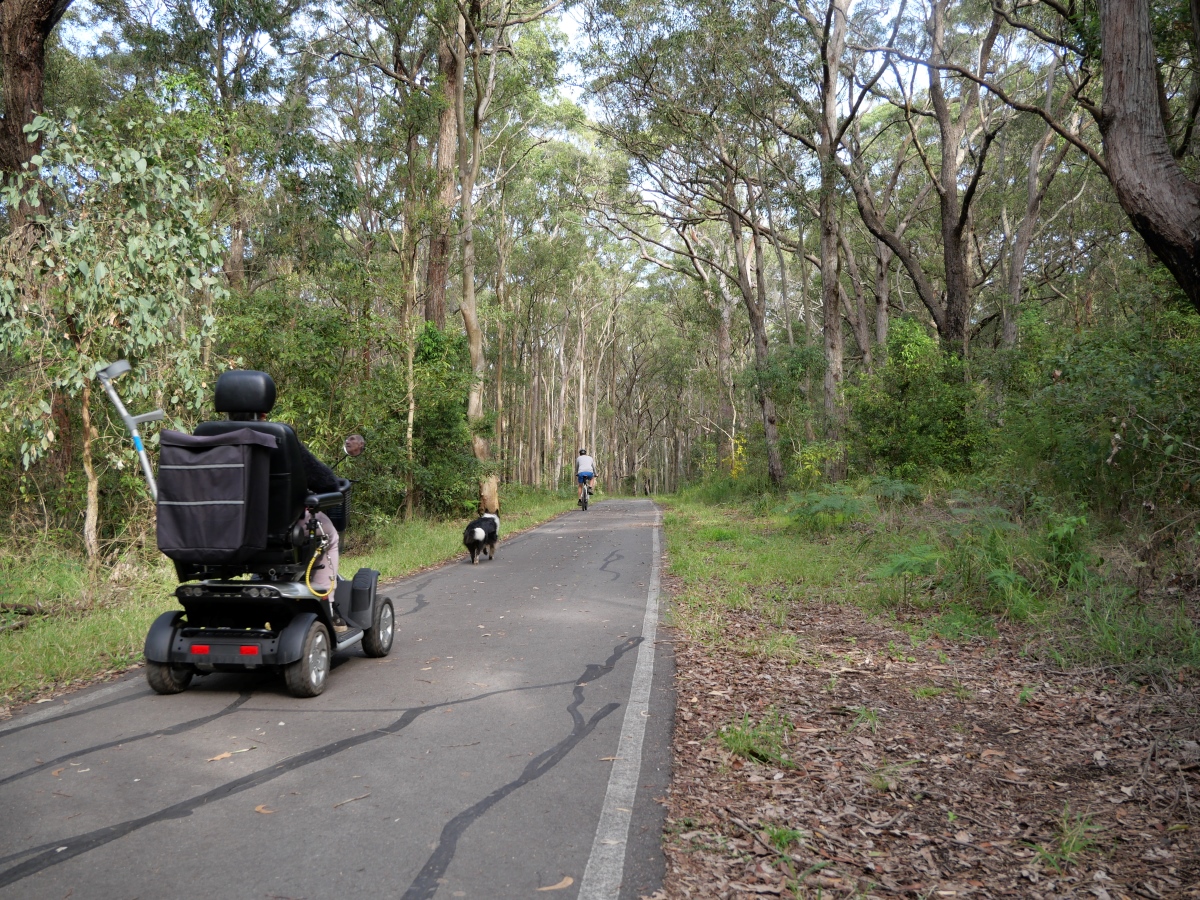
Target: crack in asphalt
[51,854]
[615,556]
[162,732]
[426,884]
[418,595]
[73,713]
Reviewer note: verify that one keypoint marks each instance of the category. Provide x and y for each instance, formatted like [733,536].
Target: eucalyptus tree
[25,27]
[670,79]
[112,275]
[1162,201]
[239,52]
[487,36]
[1146,113]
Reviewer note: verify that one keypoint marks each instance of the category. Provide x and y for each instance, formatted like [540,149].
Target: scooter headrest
[244,391]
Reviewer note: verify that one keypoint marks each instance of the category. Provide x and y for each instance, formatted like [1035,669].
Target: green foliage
[820,512]
[918,411]
[782,837]
[813,460]
[114,273]
[318,354]
[765,742]
[865,717]
[1072,840]
[894,492]
[1111,419]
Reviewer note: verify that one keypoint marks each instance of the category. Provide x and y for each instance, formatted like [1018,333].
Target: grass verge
[60,626]
[944,564]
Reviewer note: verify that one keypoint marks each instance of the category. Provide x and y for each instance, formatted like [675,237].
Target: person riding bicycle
[585,472]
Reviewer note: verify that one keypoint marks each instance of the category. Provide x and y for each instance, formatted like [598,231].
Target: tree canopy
[705,240]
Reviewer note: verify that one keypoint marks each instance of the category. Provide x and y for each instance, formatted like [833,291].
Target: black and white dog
[481,536]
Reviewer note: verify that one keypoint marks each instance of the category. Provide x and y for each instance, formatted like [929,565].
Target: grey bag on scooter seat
[212,495]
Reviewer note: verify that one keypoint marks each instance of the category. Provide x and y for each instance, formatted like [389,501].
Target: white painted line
[606,864]
[70,705]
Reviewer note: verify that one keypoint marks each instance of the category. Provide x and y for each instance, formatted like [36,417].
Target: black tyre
[584,501]
[377,640]
[166,679]
[306,676]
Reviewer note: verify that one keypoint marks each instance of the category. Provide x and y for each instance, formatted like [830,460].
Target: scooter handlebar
[324,501]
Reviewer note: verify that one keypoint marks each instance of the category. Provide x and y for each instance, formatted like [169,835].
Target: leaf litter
[825,774]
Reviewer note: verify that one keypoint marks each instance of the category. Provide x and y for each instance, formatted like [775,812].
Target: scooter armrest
[324,501]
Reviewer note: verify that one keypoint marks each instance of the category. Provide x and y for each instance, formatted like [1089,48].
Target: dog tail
[479,534]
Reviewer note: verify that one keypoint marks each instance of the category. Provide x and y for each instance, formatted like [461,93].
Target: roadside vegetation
[948,564]
[980,649]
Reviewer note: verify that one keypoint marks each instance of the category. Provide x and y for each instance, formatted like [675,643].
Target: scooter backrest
[285,502]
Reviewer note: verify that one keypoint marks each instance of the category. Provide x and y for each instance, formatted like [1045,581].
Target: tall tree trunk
[502,248]
[1152,188]
[834,44]
[25,25]
[756,312]
[953,116]
[470,158]
[860,323]
[883,259]
[762,358]
[450,79]
[726,415]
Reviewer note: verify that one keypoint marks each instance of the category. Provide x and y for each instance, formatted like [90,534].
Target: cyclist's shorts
[584,477]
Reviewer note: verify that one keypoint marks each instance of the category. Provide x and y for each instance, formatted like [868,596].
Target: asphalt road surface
[516,739]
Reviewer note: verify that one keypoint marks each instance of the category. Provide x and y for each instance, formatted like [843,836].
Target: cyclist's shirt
[585,465]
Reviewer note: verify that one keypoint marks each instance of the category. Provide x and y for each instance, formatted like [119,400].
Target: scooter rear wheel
[166,679]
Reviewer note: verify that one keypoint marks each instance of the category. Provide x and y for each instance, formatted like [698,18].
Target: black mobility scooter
[233,515]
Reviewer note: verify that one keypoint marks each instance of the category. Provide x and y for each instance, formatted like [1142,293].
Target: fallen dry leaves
[963,780]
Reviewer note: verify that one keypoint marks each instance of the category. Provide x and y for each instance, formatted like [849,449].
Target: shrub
[829,510]
[917,411]
[1112,419]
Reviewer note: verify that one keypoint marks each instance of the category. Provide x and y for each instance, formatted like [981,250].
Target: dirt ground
[949,770]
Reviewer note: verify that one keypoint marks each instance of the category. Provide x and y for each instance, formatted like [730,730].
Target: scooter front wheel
[166,679]
[377,640]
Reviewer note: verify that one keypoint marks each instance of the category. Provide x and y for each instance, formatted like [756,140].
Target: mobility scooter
[233,515]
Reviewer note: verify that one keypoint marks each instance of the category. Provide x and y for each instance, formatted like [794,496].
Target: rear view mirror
[354,445]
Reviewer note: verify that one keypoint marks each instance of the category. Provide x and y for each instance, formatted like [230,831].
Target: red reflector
[249,650]
[199,648]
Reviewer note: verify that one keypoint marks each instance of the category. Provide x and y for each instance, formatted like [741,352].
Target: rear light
[200,648]
[249,650]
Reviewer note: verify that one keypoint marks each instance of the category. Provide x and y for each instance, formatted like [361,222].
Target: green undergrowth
[60,624]
[940,560]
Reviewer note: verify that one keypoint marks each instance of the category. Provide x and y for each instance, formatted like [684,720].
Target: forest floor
[823,750]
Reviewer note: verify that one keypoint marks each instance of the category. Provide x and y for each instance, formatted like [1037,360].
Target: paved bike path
[480,759]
